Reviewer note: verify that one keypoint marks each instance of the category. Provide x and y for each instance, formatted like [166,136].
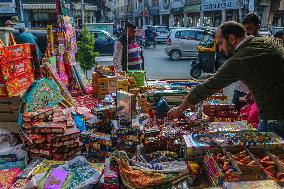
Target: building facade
[8,11]
[39,13]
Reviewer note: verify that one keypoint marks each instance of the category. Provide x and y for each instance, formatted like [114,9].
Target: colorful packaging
[7,177]
[20,184]
[55,179]
[39,116]
[17,85]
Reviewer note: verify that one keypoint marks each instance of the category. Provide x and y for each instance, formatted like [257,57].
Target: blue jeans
[276,126]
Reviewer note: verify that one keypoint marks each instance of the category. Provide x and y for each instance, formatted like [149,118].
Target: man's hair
[130,25]
[251,19]
[233,28]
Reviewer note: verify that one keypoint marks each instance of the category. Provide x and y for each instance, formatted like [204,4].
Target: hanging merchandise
[50,39]
[64,91]
[83,81]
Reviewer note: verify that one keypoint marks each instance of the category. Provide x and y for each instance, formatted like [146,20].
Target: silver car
[184,42]
[162,33]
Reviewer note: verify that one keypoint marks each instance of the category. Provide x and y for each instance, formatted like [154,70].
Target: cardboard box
[9,108]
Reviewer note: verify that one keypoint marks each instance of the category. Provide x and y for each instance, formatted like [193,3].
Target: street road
[159,66]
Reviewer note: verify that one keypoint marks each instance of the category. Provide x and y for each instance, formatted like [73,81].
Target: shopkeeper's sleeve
[117,54]
[228,73]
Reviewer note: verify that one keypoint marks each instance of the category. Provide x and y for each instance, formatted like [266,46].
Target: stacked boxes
[98,138]
[221,112]
[139,76]
[123,85]
[50,134]
[173,97]
[103,85]
[143,103]
[16,71]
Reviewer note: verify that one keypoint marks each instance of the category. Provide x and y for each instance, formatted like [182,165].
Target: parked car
[184,42]
[41,35]
[162,33]
[104,42]
[173,28]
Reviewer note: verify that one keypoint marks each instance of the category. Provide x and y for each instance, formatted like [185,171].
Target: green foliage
[86,54]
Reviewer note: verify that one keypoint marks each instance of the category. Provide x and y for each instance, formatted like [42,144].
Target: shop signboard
[209,5]
[139,9]
[164,7]
[154,8]
[7,6]
[177,6]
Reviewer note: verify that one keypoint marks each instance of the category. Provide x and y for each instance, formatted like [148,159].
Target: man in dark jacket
[251,23]
[259,63]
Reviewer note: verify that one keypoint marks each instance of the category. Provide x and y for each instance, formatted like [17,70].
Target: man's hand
[177,111]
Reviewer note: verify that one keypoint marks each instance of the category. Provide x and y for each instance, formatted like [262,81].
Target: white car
[162,33]
[184,42]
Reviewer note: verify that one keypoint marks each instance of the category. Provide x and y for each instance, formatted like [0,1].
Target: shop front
[164,12]
[176,10]
[7,11]
[40,15]
[191,15]
[155,12]
[214,13]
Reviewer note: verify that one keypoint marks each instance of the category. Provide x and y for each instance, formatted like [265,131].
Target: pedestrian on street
[128,54]
[27,37]
[251,23]
[259,63]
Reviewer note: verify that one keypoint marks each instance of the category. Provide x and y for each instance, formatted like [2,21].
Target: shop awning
[192,8]
[9,14]
[39,6]
[53,7]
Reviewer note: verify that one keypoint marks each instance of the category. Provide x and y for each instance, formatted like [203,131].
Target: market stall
[113,132]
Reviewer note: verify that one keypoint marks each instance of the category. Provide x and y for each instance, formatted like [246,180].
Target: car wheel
[195,72]
[175,55]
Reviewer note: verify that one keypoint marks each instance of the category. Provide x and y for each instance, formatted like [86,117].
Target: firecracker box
[16,85]
[173,97]
[139,75]
[123,85]
[15,52]
[126,105]
[11,70]
[134,91]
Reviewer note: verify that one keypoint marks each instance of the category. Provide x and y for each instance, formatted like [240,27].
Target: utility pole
[21,10]
[82,13]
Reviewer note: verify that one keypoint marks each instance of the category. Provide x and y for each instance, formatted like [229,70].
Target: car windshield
[162,30]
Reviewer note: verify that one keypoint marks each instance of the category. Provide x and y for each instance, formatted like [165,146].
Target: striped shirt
[134,54]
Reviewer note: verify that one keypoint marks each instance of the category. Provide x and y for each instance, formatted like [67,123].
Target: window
[100,36]
[162,30]
[199,35]
[185,34]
